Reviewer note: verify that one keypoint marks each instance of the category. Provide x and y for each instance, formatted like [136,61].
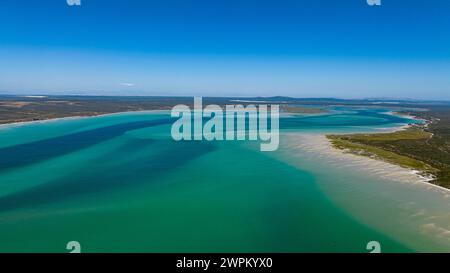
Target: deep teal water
[119,183]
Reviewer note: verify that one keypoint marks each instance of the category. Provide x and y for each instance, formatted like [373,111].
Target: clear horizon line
[225,97]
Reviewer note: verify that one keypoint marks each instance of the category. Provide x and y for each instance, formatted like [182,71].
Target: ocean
[119,183]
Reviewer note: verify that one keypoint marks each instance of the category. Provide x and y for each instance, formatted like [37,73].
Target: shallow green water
[119,183]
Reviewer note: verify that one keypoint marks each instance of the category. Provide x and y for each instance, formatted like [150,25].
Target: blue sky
[311,48]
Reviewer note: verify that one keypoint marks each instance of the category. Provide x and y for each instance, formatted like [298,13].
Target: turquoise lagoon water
[119,183]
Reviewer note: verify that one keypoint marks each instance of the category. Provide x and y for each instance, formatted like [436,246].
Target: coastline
[387,197]
[22,123]
[319,146]
[426,178]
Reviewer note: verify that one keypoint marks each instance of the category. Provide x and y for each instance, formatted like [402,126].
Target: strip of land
[425,148]
[14,109]
[318,147]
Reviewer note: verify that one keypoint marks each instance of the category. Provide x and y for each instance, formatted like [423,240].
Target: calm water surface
[119,183]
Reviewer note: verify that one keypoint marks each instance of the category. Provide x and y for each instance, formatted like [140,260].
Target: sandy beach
[21,123]
[318,146]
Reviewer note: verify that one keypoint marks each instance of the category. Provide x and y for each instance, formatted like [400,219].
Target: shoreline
[425,179]
[321,147]
[320,144]
[381,195]
[423,123]
[30,122]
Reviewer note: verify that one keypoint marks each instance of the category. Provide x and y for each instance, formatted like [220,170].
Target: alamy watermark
[374,2]
[73,2]
[74,247]
[374,247]
[229,124]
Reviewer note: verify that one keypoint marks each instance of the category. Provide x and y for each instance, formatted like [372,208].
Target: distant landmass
[42,107]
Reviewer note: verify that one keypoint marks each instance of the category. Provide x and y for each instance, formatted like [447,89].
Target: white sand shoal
[318,145]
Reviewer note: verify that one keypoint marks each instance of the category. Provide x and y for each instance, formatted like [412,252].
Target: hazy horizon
[90,94]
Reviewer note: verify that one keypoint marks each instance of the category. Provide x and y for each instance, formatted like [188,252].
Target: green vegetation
[411,133]
[424,148]
[356,144]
